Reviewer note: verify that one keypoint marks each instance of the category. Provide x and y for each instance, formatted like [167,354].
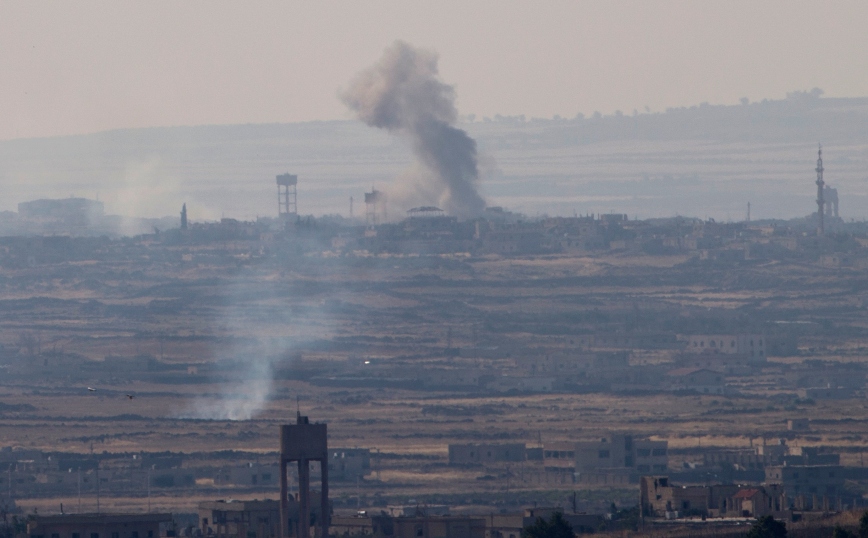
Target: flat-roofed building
[752,346]
[349,463]
[101,526]
[470,454]
[240,519]
[386,526]
[620,455]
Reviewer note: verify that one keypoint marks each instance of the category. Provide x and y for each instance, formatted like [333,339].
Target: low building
[811,487]
[748,459]
[828,393]
[747,345]
[101,526]
[512,525]
[622,451]
[798,424]
[559,456]
[349,463]
[383,526]
[659,498]
[700,380]
[239,519]
[609,460]
[479,454]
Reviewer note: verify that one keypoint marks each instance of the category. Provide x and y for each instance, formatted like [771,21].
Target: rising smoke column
[403,94]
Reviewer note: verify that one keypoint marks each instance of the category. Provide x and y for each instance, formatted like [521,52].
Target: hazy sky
[78,67]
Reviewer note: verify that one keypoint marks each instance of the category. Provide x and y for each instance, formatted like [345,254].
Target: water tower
[287,200]
[375,208]
[303,443]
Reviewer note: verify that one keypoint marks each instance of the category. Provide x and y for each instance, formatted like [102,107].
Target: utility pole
[97,487]
[79,490]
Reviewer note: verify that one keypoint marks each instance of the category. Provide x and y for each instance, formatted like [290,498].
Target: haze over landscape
[439,270]
[92,68]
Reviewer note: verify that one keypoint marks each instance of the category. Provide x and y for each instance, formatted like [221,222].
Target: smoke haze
[251,359]
[402,93]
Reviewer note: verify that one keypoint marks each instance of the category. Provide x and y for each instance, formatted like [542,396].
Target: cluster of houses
[593,363]
[28,473]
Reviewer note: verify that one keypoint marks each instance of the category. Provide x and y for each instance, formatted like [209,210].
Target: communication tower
[820,184]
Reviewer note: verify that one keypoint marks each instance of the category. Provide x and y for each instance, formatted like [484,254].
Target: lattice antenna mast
[820,184]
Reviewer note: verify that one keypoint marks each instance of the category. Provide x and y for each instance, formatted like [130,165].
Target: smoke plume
[403,94]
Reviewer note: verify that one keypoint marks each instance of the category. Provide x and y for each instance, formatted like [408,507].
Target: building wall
[383,526]
[98,526]
[660,498]
[349,463]
[810,480]
[651,456]
[463,454]
[439,527]
[611,455]
[222,519]
[559,456]
[749,345]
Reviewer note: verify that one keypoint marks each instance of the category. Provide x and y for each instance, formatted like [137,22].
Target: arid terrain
[218,347]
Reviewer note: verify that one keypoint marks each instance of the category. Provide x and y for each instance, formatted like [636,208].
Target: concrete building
[349,463]
[512,525]
[659,498]
[700,380]
[745,459]
[759,458]
[559,456]
[613,459]
[479,454]
[752,346]
[240,519]
[812,487]
[384,526]
[798,424]
[828,393]
[101,526]
[568,365]
[622,451]
[249,474]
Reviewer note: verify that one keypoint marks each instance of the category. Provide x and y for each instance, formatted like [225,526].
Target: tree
[556,527]
[841,532]
[768,527]
[863,525]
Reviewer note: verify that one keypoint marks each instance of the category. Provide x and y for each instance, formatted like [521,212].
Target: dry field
[405,311]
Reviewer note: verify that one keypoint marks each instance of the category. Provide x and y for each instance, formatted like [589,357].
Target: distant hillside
[699,161]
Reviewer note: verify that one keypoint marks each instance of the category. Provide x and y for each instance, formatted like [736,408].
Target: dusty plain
[253,333]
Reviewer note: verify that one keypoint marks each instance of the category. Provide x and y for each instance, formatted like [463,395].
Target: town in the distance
[429,375]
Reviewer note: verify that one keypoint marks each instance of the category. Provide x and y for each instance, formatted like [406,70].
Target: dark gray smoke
[402,93]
